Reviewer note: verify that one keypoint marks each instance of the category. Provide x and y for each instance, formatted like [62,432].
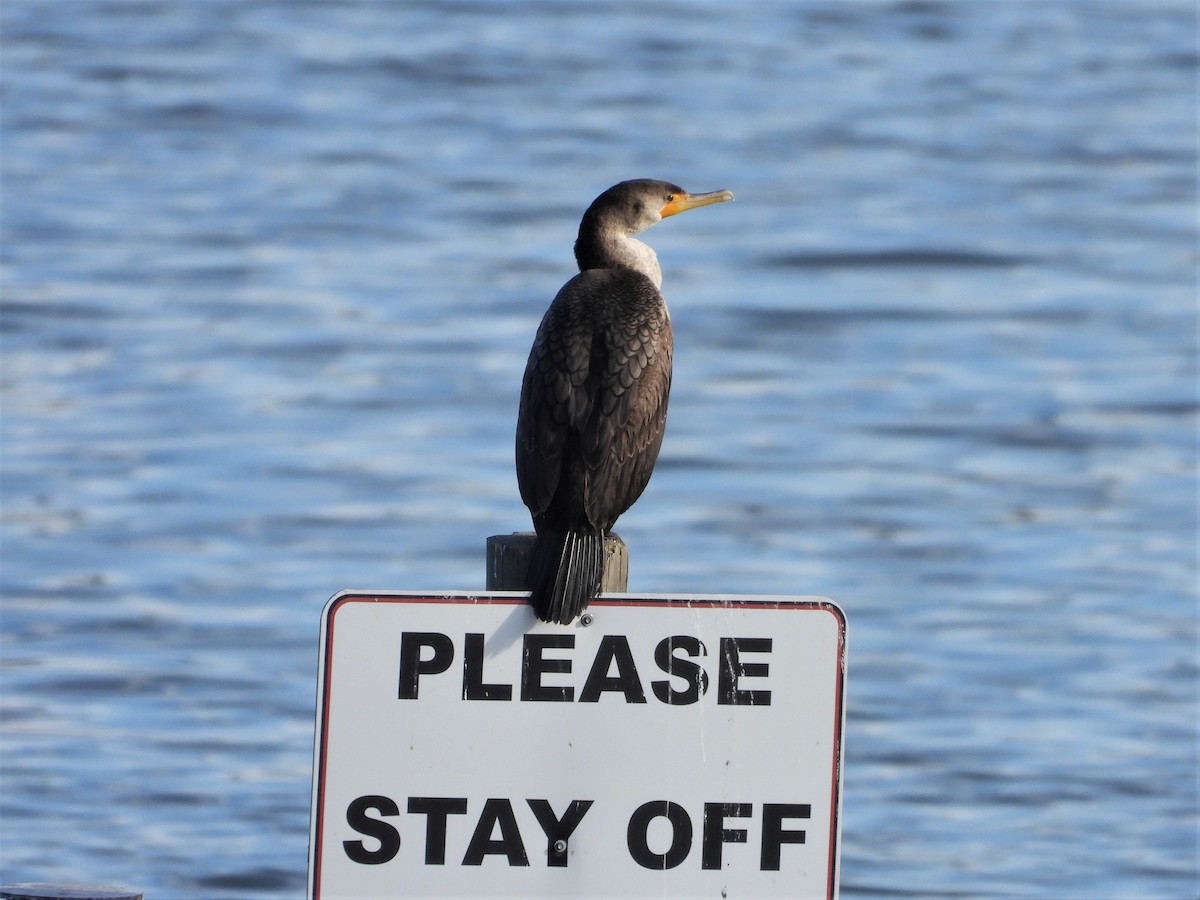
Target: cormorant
[594,395]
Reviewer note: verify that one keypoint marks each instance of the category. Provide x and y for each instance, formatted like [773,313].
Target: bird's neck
[609,248]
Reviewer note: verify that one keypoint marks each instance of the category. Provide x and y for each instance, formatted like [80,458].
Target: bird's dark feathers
[566,571]
[594,399]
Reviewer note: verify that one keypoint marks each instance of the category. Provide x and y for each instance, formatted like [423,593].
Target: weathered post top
[508,558]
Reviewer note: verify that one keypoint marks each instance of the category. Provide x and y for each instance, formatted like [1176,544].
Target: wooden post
[28,891]
[508,558]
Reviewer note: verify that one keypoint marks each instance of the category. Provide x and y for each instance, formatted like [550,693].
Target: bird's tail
[565,573]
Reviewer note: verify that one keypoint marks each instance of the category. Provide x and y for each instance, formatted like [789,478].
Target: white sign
[671,747]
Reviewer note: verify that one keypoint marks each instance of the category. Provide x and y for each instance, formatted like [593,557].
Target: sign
[659,747]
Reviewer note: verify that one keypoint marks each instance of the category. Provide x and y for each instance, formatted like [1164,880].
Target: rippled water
[270,273]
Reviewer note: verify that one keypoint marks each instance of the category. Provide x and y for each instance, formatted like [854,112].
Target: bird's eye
[670,197]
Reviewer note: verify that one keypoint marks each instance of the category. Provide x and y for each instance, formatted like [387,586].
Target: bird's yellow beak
[681,202]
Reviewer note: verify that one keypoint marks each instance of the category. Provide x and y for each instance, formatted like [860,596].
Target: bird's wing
[552,399]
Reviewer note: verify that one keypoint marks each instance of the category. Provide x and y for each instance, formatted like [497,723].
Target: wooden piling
[508,558]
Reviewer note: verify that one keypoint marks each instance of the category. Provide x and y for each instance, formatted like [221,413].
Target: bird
[594,394]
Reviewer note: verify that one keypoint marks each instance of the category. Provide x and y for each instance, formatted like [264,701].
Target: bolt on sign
[670,747]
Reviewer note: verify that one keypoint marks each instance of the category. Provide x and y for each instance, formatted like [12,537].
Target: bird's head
[633,206]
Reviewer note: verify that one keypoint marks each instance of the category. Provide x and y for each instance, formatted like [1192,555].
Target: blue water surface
[270,274]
